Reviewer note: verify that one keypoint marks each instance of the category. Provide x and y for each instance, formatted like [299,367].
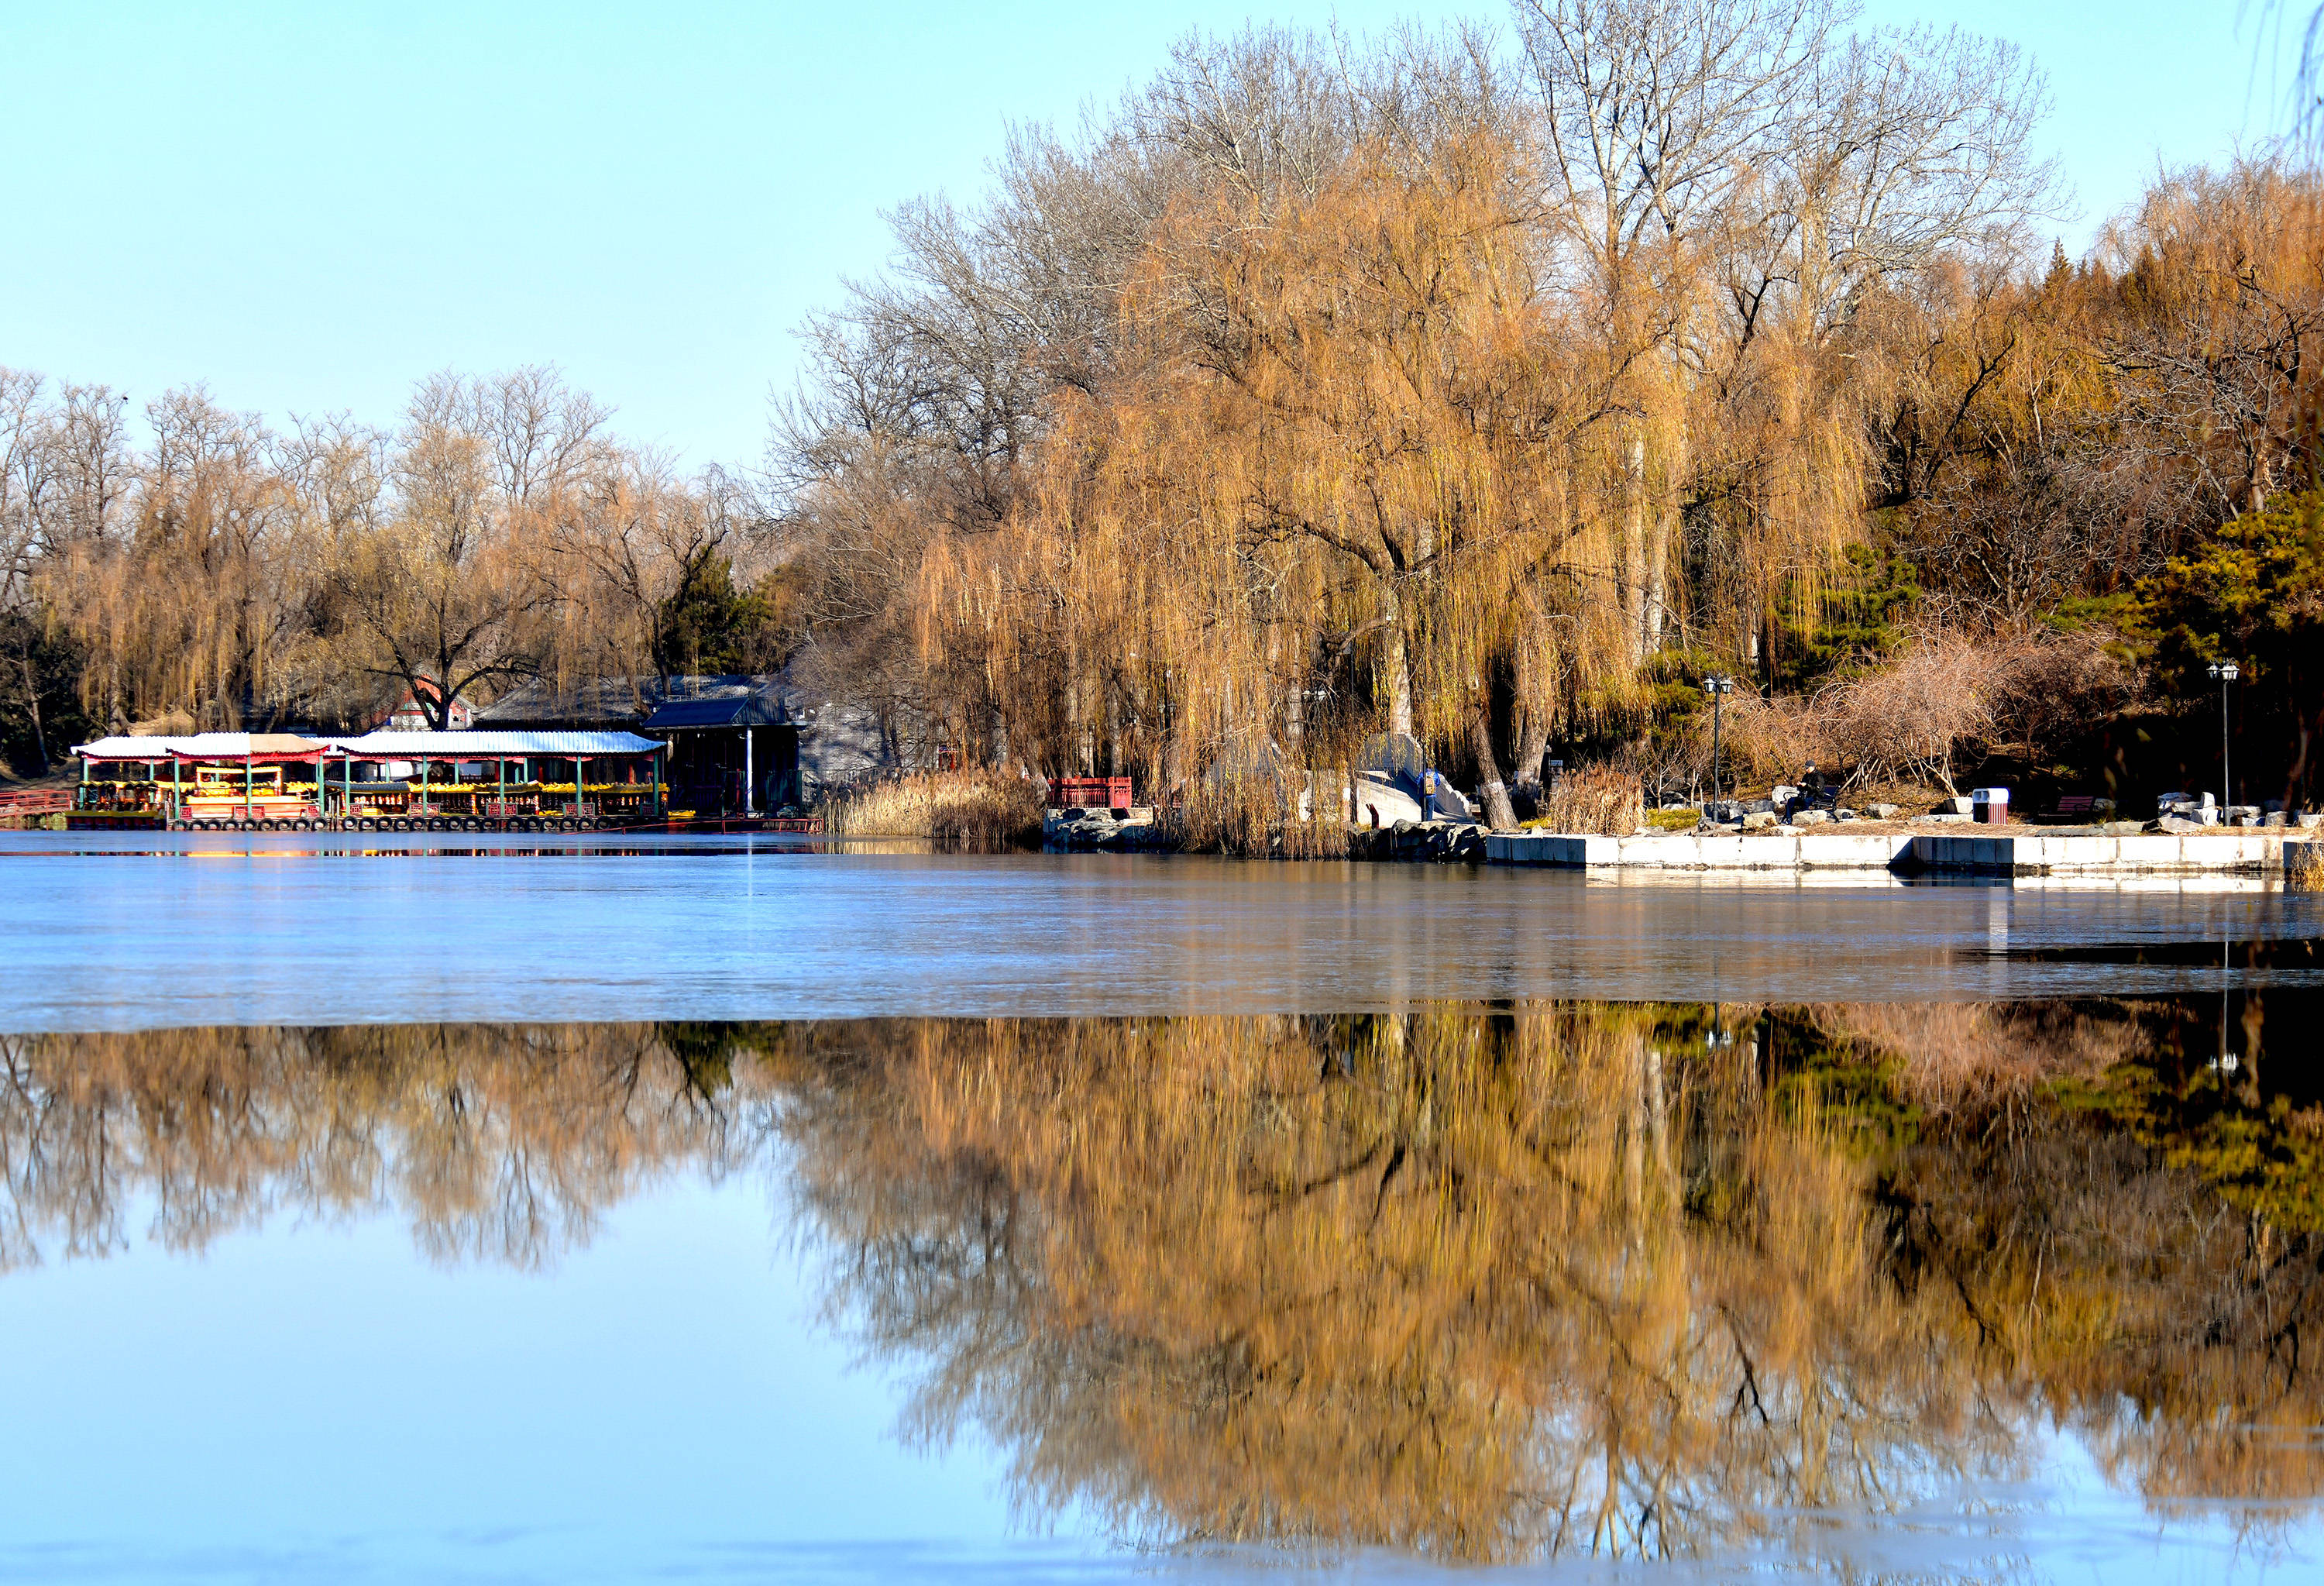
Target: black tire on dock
[367,823]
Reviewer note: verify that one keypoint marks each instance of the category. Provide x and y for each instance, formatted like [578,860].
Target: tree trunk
[1395,666]
[1532,745]
[1536,681]
[33,709]
[1656,602]
[1633,546]
[1499,812]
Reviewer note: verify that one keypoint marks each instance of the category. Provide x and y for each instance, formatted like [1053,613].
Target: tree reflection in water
[1485,1284]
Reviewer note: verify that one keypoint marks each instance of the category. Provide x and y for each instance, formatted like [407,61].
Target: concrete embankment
[2256,851]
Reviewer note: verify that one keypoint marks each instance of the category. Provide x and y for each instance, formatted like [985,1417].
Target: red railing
[1089,792]
[36,801]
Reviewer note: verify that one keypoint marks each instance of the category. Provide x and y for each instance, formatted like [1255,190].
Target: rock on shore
[1096,831]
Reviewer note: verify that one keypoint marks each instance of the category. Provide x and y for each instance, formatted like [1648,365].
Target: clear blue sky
[310,206]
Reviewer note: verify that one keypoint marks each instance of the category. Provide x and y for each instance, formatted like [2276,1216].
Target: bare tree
[451,595]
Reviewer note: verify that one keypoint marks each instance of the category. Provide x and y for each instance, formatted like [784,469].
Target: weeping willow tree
[1432,386]
[231,573]
[1354,451]
[188,583]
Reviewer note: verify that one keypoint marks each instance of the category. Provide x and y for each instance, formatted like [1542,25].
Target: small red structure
[1089,792]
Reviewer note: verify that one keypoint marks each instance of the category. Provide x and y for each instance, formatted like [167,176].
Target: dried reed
[979,809]
[1595,799]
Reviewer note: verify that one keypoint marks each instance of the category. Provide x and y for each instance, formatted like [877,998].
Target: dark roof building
[738,743]
[608,703]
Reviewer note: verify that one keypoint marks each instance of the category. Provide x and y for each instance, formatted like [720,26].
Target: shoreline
[2247,851]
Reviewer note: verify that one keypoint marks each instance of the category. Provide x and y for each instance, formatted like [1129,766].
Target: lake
[763,1211]
[110,933]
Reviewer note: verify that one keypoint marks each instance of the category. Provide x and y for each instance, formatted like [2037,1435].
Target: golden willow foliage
[1566,1279]
[231,573]
[1493,387]
[1326,389]
[1354,424]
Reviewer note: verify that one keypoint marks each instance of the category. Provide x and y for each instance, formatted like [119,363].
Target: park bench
[2078,807]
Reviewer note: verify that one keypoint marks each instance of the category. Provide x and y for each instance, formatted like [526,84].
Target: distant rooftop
[702,700]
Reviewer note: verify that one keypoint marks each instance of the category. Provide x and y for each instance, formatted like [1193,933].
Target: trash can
[1989,807]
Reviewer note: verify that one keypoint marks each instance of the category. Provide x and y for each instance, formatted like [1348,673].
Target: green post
[177,798]
[423,789]
[502,764]
[249,782]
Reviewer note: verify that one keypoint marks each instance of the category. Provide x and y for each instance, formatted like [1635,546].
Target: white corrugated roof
[200,745]
[490,745]
[372,746]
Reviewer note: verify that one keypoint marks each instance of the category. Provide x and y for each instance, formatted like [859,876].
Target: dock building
[403,781]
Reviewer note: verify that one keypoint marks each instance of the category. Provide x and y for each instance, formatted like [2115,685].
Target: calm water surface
[98,934]
[618,1213]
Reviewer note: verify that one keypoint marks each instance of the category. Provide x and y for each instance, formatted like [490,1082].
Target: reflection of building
[411,717]
[738,743]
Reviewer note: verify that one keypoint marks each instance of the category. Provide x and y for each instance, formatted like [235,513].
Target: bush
[1945,704]
[982,811]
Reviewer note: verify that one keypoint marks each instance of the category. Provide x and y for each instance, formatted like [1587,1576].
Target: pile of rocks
[2183,812]
[1093,831]
[1784,810]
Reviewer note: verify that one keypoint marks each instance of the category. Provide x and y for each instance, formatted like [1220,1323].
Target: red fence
[1089,792]
[36,801]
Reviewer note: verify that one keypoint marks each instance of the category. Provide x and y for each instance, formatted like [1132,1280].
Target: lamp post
[1718,688]
[2226,672]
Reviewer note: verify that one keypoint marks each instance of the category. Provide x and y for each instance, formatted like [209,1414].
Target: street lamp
[1718,688]
[2226,672]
